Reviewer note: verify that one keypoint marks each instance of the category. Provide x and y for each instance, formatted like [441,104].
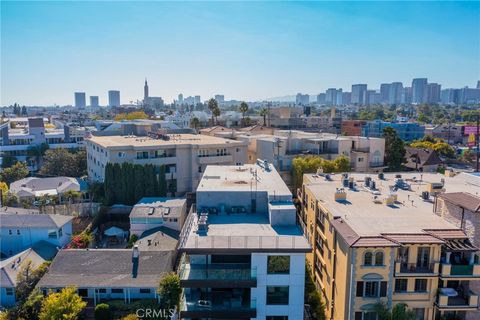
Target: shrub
[102,311]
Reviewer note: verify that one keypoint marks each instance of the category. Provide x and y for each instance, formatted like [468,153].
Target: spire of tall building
[145,91]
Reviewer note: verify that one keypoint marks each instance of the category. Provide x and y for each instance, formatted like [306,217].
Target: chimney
[135,256]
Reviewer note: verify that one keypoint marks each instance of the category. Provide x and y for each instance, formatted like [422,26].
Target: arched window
[379,258]
[368,258]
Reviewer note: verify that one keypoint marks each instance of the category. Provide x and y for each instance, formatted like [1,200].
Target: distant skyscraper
[346,97]
[302,99]
[80,100]
[385,92]
[331,97]
[321,98]
[145,91]
[419,90]
[407,95]
[359,93]
[395,94]
[180,98]
[94,102]
[220,98]
[433,92]
[197,100]
[114,98]
[478,84]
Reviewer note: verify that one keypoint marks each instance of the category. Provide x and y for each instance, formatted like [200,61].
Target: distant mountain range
[291,98]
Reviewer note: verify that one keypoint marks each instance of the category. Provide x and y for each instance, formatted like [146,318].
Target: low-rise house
[106,274]
[22,228]
[9,270]
[150,213]
[420,159]
[159,239]
[33,188]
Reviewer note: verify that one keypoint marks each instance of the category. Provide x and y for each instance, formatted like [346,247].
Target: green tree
[212,105]
[438,145]
[27,279]
[16,172]
[243,108]
[8,160]
[4,190]
[162,185]
[64,305]
[131,116]
[61,162]
[342,164]
[301,165]
[264,113]
[194,123]
[102,312]
[36,152]
[170,290]
[398,312]
[394,149]
[30,309]
[139,182]
[312,296]
[216,114]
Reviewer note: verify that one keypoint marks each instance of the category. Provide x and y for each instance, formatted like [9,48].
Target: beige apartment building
[376,238]
[185,156]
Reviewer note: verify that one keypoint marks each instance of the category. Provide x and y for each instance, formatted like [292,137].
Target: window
[277,318]
[9,291]
[278,265]
[52,234]
[102,290]
[18,232]
[142,155]
[200,169]
[370,315]
[10,232]
[117,290]
[379,258]
[60,232]
[371,289]
[277,295]
[419,313]
[360,159]
[368,258]
[401,285]
[121,154]
[145,290]
[420,285]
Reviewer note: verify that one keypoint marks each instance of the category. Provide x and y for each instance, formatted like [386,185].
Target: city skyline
[243,51]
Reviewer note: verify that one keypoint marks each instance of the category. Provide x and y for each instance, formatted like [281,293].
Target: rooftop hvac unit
[381,176]
[340,194]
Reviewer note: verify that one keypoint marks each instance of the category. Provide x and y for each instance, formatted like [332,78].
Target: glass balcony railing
[217,272]
[460,270]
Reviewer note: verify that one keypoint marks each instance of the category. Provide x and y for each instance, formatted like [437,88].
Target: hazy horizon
[245,51]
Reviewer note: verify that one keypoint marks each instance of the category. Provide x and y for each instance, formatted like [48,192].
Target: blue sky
[245,50]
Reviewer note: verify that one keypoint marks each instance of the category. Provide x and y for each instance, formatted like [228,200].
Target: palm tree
[71,196]
[212,106]
[216,113]
[243,109]
[195,123]
[398,312]
[264,114]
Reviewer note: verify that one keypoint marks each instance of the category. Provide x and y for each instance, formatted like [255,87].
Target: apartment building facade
[243,255]
[377,240]
[366,154]
[184,155]
[19,135]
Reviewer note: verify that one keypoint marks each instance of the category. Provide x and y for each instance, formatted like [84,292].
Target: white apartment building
[242,252]
[366,154]
[18,135]
[185,156]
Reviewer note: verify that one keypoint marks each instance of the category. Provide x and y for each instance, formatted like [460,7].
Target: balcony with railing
[211,159]
[453,300]
[197,303]
[217,275]
[416,269]
[376,164]
[460,270]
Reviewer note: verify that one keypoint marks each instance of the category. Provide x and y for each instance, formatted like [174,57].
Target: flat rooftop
[156,207]
[248,177]
[410,214]
[174,139]
[250,232]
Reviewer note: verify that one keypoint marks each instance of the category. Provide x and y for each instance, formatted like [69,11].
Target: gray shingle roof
[28,186]
[32,220]
[159,239]
[11,267]
[99,268]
